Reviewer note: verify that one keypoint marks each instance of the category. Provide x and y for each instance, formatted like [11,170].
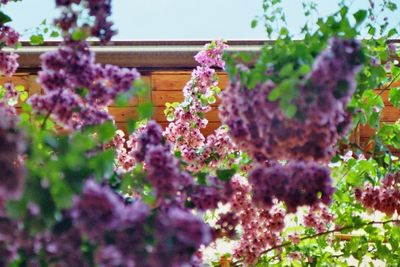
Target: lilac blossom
[96,210]
[66,74]
[12,146]
[259,127]
[296,184]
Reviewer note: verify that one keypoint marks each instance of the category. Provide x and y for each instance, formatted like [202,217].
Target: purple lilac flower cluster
[212,54]
[8,63]
[296,183]
[384,198]
[126,147]
[185,129]
[9,236]
[77,91]
[8,36]
[96,206]
[226,226]
[318,217]
[163,171]
[259,127]
[8,60]
[4,2]
[12,146]
[206,197]
[119,229]
[62,245]
[163,168]
[151,135]
[179,227]
[100,10]
[166,177]
[262,227]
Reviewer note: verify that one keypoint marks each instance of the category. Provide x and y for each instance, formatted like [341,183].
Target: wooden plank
[385,96]
[390,114]
[176,81]
[169,81]
[146,97]
[366,131]
[159,98]
[159,116]
[133,102]
[355,136]
[395,84]
[33,86]
[122,114]
[20,79]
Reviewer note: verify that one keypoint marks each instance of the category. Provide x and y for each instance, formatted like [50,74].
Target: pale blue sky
[180,19]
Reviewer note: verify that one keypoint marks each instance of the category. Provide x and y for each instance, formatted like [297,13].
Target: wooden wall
[166,86]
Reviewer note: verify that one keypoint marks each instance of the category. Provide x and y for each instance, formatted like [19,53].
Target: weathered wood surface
[166,86]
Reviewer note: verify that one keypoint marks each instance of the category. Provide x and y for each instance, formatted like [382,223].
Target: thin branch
[348,227]
[50,111]
[389,84]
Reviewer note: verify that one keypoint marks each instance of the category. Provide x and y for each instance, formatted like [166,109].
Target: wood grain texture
[176,80]
[166,86]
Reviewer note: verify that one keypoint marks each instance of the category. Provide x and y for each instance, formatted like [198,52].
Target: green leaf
[284,32]
[122,100]
[372,30]
[286,70]
[391,6]
[178,154]
[304,69]
[275,94]
[106,131]
[23,96]
[290,110]
[24,117]
[225,174]
[19,88]
[54,34]
[394,97]
[131,126]
[254,23]
[61,194]
[201,178]
[103,164]
[145,110]
[211,100]
[78,35]
[26,107]
[360,16]
[343,11]
[37,39]
[4,18]
[83,92]
[392,32]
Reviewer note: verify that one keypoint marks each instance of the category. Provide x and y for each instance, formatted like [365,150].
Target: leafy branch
[345,228]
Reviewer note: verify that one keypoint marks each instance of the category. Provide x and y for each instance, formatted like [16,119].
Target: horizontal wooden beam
[157,55]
